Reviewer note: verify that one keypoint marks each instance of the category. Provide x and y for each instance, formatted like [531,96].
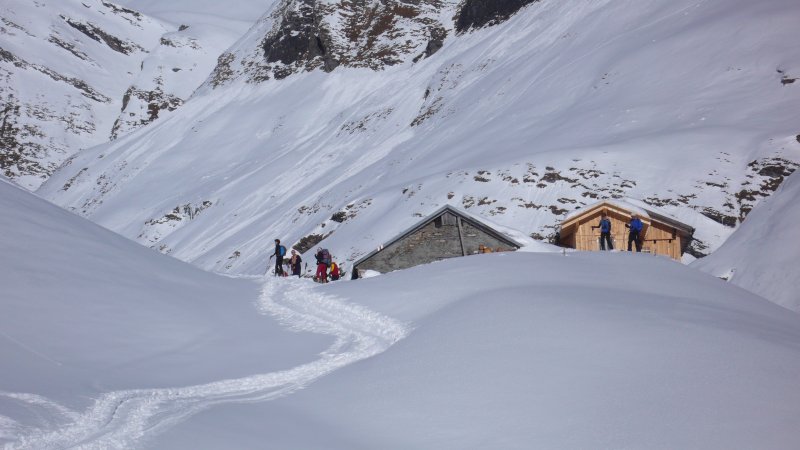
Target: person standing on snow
[322,257]
[294,263]
[280,252]
[635,227]
[605,232]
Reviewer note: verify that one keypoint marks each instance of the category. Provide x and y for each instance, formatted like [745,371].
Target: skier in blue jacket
[605,232]
[280,252]
[634,235]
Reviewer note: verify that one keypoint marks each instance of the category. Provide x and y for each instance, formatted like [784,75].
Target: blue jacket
[605,226]
[636,225]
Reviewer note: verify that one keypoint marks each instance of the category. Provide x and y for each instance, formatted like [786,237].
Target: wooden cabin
[661,235]
[447,233]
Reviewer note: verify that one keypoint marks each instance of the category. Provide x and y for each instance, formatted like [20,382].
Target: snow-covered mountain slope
[78,73]
[756,256]
[200,32]
[64,68]
[86,311]
[303,133]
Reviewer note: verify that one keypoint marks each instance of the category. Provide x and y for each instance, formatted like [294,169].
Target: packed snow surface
[687,105]
[116,346]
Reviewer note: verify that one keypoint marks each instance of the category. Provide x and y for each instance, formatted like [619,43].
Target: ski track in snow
[126,419]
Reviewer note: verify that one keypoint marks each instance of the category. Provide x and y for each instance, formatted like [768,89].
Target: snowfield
[688,106]
[116,346]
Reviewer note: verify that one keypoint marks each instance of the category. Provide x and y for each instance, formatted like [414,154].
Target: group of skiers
[634,232]
[326,267]
[325,262]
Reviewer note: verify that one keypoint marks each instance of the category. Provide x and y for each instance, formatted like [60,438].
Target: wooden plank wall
[661,240]
[658,238]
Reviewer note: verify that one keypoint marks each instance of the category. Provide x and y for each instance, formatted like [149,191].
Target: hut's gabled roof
[470,219]
[627,207]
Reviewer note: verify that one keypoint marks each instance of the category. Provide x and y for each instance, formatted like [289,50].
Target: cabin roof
[470,219]
[628,207]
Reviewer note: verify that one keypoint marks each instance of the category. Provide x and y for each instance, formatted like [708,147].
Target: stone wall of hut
[437,240]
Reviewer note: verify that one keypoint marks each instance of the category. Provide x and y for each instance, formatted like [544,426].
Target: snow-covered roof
[623,203]
[475,221]
[633,206]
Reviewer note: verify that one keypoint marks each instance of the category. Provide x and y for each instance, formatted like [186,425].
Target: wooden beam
[461,236]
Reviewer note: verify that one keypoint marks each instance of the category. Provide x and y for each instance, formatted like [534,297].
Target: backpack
[282,250]
[334,272]
[605,225]
[326,257]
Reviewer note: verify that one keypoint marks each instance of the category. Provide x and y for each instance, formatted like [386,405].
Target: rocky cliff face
[304,35]
[479,13]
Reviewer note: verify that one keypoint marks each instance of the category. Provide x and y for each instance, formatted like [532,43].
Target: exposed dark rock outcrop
[298,41]
[223,72]
[149,103]
[99,35]
[155,230]
[434,44]
[308,242]
[480,13]
[20,152]
[68,47]
[766,175]
[719,217]
[128,14]
[306,35]
[697,249]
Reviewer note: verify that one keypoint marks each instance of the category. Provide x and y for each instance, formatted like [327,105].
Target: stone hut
[661,235]
[447,233]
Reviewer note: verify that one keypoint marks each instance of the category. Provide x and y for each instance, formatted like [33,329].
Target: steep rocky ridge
[303,35]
